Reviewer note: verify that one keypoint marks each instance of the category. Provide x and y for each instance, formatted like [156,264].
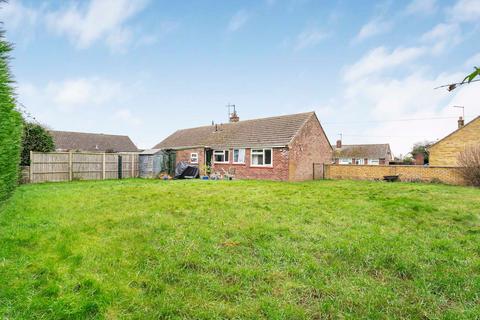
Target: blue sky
[146,68]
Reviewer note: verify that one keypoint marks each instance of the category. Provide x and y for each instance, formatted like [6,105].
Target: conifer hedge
[10,126]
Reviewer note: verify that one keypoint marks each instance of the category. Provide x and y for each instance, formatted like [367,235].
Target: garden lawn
[150,249]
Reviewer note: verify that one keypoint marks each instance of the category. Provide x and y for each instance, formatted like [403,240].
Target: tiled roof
[265,132]
[66,140]
[364,151]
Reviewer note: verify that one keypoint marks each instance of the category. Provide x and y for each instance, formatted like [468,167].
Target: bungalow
[359,154]
[445,152]
[275,148]
[96,142]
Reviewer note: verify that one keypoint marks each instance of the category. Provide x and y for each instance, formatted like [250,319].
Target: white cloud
[379,59]
[126,116]
[473,61]
[77,93]
[443,36]
[309,38]
[90,104]
[373,28]
[465,11]
[15,15]
[424,7]
[238,20]
[100,19]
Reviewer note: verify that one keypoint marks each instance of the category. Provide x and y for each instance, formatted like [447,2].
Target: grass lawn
[243,249]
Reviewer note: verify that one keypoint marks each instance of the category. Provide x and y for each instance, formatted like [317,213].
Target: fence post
[313,174]
[70,169]
[119,166]
[31,170]
[103,166]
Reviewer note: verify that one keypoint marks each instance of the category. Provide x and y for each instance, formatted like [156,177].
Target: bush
[35,138]
[10,126]
[469,162]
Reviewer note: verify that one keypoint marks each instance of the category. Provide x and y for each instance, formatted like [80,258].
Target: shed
[153,162]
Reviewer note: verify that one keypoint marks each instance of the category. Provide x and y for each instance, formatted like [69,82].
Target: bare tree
[469,162]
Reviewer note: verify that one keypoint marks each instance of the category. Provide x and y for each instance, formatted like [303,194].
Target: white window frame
[239,153]
[262,153]
[194,157]
[360,161]
[225,153]
[374,162]
[345,161]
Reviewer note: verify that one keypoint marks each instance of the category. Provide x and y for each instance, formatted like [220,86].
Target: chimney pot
[461,122]
[234,117]
[339,144]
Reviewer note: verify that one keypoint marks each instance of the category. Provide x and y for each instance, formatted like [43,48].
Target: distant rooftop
[364,151]
[67,140]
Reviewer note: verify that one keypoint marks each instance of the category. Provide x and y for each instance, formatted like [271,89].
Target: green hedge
[10,126]
[35,138]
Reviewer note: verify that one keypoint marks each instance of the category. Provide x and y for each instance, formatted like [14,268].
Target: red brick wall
[310,146]
[279,171]
[184,155]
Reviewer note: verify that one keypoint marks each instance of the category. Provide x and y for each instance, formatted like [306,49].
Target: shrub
[35,138]
[469,163]
[10,126]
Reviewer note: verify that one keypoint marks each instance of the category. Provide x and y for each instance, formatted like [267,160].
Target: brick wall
[445,152]
[310,146]
[279,171]
[184,155]
[448,175]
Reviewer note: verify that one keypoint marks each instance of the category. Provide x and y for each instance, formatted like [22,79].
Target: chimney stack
[234,117]
[461,122]
[339,144]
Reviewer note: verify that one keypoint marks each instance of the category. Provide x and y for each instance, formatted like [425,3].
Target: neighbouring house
[445,152]
[275,148]
[362,154]
[96,142]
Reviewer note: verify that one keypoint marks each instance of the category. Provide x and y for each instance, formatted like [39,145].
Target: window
[220,156]
[261,157]
[345,161]
[238,155]
[374,162]
[194,157]
[360,161]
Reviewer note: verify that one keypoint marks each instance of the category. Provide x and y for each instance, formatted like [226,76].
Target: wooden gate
[318,171]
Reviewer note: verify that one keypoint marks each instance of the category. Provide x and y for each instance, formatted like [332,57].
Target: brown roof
[364,151]
[265,132]
[453,132]
[66,140]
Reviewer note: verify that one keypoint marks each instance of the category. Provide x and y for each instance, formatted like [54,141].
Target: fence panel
[67,166]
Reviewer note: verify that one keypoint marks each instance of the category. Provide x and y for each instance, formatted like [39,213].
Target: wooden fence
[68,166]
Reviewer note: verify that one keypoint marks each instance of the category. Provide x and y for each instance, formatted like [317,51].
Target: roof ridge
[97,133]
[248,120]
